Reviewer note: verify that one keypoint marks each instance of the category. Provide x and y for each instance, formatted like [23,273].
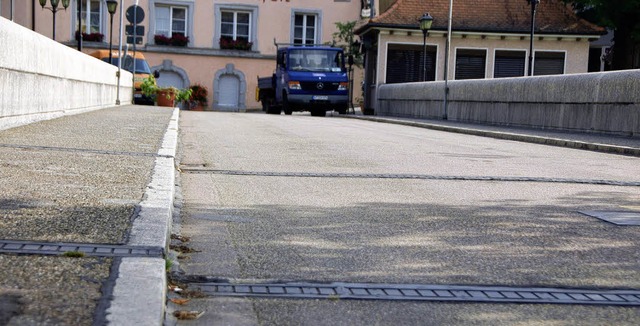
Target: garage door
[229,93]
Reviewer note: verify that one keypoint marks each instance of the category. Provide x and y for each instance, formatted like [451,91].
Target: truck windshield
[141,65]
[316,60]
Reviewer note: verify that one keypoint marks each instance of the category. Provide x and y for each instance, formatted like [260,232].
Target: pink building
[225,46]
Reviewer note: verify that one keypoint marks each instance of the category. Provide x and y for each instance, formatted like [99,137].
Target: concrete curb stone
[140,288]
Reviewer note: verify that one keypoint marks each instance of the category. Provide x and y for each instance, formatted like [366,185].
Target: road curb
[140,287]
[605,148]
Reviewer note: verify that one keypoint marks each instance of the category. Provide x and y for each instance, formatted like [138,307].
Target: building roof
[497,16]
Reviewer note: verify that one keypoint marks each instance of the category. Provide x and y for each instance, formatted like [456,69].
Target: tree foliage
[345,39]
[623,17]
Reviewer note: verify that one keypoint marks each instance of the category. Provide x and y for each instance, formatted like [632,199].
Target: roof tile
[510,16]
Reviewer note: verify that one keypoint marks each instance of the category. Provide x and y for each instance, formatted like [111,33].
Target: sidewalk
[595,142]
[103,177]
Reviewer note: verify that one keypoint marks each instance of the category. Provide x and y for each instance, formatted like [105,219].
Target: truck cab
[307,78]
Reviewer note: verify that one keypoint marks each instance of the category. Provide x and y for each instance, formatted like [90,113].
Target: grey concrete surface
[81,178]
[464,232]
[578,140]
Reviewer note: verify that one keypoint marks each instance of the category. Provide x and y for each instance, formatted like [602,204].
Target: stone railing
[607,102]
[42,79]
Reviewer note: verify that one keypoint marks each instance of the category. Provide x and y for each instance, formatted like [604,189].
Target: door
[229,93]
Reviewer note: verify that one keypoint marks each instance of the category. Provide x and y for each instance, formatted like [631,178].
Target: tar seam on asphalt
[59,248]
[83,150]
[411,176]
[422,292]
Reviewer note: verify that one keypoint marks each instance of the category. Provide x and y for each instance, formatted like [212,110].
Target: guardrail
[42,79]
[607,102]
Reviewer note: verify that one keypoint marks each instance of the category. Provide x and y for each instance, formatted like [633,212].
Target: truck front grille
[319,86]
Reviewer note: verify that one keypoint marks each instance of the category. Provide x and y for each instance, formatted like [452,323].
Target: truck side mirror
[156,74]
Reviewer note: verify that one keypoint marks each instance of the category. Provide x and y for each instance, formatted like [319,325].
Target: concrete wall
[43,79]
[607,102]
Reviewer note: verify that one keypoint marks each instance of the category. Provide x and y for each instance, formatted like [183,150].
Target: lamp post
[534,4]
[54,9]
[425,25]
[111,8]
[79,25]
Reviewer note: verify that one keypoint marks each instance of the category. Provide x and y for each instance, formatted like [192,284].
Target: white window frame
[496,50]
[171,18]
[235,23]
[486,59]
[564,65]
[189,5]
[253,22]
[103,18]
[317,26]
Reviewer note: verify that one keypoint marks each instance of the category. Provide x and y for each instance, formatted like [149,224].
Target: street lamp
[534,4]
[425,25]
[111,8]
[54,9]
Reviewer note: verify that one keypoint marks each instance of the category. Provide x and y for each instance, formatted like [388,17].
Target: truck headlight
[343,86]
[293,84]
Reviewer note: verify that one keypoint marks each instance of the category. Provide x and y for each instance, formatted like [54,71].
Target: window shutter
[405,64]
[509,64]
[470,64]
[548,63]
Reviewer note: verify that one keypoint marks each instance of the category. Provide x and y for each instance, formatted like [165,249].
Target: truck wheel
[342,111]
[271,108]
[318,113]
[286,107]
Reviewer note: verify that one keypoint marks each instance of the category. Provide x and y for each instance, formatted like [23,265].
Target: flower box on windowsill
[92,37]
[175,40]
[228,44]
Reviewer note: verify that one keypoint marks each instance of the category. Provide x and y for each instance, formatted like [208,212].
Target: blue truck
[307,78]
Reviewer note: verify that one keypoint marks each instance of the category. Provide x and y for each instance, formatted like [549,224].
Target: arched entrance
[230,89]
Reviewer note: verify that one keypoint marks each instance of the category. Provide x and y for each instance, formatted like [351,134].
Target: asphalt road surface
[306,199]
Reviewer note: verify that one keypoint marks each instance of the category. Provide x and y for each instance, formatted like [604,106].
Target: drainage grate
[617,218]
[409,176]
[369,291]
[105,250]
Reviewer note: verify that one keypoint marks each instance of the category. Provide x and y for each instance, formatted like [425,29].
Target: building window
[171,20]
[304,28]
[470,64]
[548,63]
[91,13]
[235,26]
[509,63]
[405,63]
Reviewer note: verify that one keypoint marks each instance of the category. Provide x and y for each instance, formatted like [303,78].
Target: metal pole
[120,53]
[533,4]
[446,62]
[54,23]
[424,54]
[79,25]
[111,42]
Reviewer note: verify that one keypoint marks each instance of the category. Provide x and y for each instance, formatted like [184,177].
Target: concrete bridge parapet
[43,79]
[607,102]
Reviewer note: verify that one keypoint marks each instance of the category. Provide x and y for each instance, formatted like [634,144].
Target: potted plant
[183,96]
[198,99]
[163,96]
